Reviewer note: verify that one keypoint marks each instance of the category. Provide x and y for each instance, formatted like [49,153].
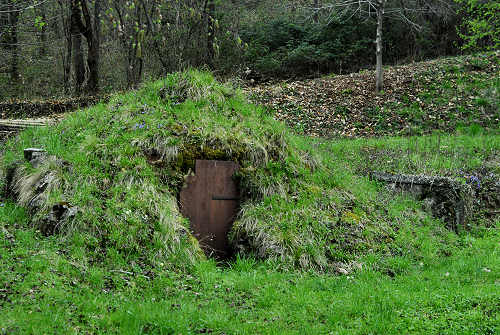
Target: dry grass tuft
[33,188]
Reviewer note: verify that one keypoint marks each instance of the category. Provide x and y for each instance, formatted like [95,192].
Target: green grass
[49,289]
[469,150]
[127,262]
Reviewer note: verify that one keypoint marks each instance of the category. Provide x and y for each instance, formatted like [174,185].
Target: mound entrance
[210,199]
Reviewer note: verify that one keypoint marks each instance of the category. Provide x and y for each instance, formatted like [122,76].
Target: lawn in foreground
[45,289]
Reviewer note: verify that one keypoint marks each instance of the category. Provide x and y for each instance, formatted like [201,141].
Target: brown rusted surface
[210,199]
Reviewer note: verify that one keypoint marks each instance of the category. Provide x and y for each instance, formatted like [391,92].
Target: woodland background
[57,48]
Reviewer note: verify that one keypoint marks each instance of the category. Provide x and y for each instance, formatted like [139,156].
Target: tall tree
[67,30]
[97,40]
[80,8]
[379,7]
[76,42]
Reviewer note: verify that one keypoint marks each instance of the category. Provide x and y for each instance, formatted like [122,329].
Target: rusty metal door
[210,199]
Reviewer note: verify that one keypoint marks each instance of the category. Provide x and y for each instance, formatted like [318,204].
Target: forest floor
[419,98]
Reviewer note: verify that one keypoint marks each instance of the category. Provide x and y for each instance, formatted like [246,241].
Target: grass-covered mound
[122,165]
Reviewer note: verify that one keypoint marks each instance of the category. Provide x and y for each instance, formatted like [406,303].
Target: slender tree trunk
[14,65]
[77,46]
[379,74]
[79,7]
[211,32]
[93,64]
[93,49]
[130,67]
[67,62]
[67,56]
[139,70]
[43,33]
[97,32]
[78,62]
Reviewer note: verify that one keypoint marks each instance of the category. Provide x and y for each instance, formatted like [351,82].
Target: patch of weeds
[342,110]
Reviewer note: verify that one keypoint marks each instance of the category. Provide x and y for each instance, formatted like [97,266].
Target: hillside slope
[418,98]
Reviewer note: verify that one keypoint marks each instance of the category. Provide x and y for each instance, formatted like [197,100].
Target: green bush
[285,48]
[480,28]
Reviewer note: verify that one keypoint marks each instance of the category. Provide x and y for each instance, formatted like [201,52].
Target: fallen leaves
[43,108]
[417,98]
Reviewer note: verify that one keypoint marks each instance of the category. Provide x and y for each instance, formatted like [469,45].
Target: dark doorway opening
[211,200]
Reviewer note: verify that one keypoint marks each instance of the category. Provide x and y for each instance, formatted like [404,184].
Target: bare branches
[18,10]
[406,11]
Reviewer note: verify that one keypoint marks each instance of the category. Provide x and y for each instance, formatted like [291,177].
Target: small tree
[405,11]
[379,8]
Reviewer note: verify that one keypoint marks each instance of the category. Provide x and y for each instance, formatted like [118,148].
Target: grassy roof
[123,163]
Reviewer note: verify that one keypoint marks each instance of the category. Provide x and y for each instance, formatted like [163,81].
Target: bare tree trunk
[43,33]
[67,62]
[78,62]
[211,31]
[97,33]
[79,7]
[14,65]
[93,50]
[130,67]
[77,47]
[67,56]
[92,62]
[380,18]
